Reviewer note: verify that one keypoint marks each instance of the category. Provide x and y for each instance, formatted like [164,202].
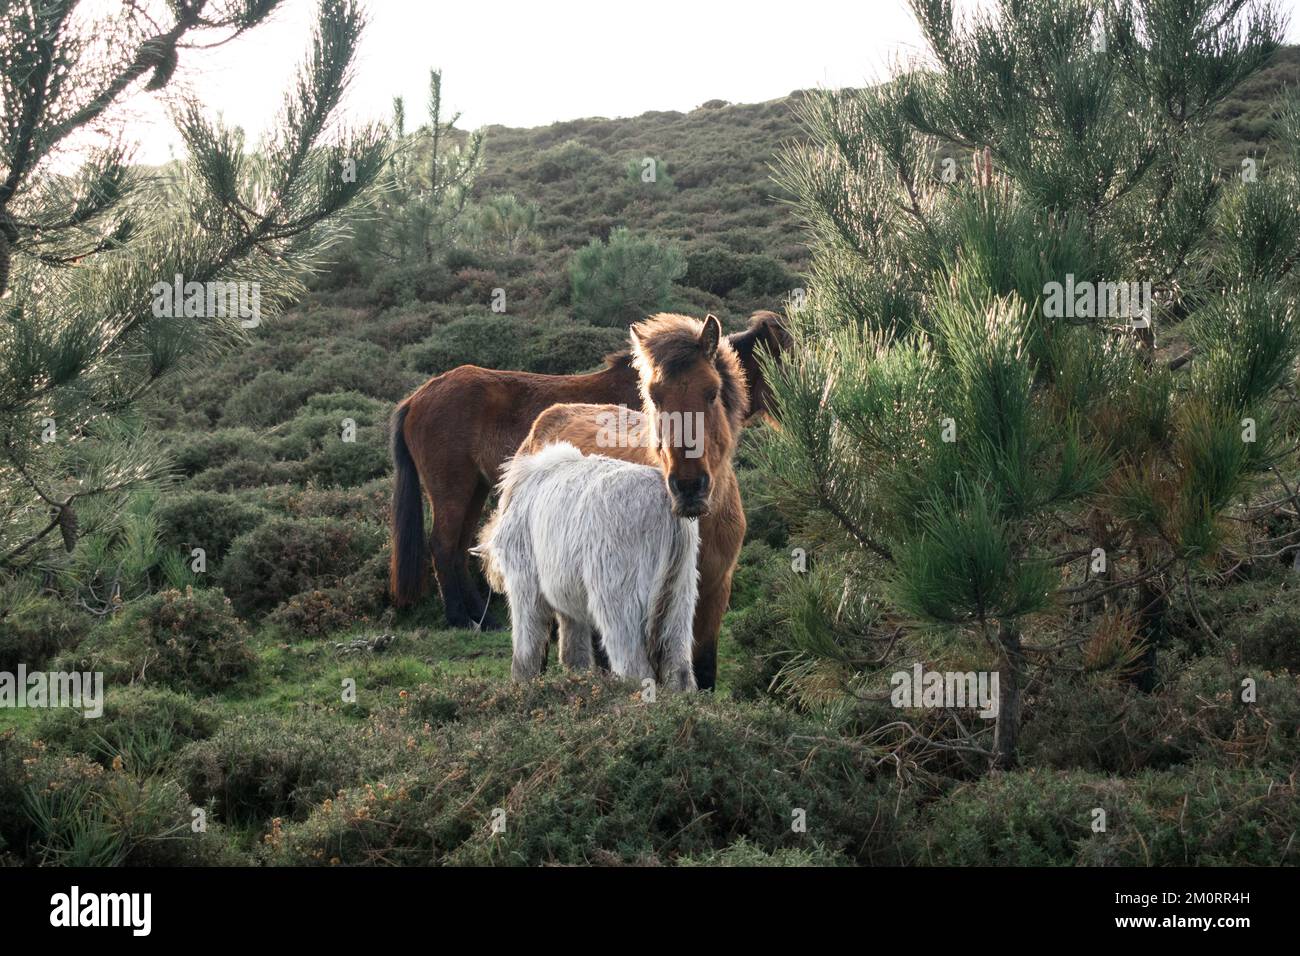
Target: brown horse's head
[694,397]
[766,333]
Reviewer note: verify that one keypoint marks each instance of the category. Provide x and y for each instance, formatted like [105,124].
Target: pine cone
[68,526]
[161,55]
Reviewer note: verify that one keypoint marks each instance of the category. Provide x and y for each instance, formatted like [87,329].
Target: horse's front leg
[712,604]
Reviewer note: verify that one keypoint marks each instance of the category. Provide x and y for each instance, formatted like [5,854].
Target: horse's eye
[711,396]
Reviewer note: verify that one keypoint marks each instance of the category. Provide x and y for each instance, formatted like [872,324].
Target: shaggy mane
[671,343]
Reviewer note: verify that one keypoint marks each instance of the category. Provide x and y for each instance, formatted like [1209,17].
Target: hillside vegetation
[278,692]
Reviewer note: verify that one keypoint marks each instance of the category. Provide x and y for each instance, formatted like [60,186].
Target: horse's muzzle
[693,507]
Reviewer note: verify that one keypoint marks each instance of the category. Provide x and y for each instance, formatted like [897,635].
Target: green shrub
[210,520]
[349,404]
[714,269]
[755,624]
[343,464]
[567,160]
[584,770]
[70,811]
[568,348]
[194,452]
[413,282]
[362,503]
[241,474]
[742,853]
[624,280]
[1196,816]
[287,556]
[268,399]
[722,271]
[256,768]
[145,726]
[486,339]
[35,627]
[188,640]
[317,613]
[1101,723]
[346,365]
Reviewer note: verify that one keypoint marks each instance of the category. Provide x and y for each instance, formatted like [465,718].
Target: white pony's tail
[515,470]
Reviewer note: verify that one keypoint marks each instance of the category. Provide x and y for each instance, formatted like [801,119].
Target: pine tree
[90,256]
[979,437]
[426,186]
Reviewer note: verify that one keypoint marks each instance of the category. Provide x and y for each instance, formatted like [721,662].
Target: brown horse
[454,432]
[687,373]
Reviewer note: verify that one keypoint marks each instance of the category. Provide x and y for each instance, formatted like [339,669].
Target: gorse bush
[35,627]
[598,774]
[210,520]
[69,811]
[187,640]
[288,556]
[1196,817]
[255,769]
[144,727]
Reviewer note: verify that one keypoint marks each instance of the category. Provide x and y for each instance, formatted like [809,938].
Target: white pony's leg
[530,631]
[624,641]
[575,644]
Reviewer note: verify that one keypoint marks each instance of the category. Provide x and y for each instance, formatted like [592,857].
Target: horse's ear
[710,335]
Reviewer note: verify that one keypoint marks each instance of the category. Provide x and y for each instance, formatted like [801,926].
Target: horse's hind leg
[475,603]
[530,629]
[598,652]
[575,644]
[451,491]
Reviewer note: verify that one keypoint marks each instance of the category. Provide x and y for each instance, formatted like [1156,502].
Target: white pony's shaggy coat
[593,542]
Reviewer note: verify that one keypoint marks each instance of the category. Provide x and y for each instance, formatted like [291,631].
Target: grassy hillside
[279,692]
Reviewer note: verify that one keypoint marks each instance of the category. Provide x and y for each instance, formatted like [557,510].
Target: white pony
[592,541]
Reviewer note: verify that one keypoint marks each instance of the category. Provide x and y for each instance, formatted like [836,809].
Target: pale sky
[518,63]
[532,63]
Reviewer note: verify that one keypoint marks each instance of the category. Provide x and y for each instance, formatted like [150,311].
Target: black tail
[408,572]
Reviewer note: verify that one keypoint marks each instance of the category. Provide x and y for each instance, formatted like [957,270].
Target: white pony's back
[592,540]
